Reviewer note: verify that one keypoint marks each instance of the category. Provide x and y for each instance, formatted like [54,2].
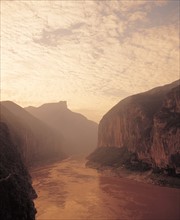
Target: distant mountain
[37,142]
[142,130]
[79,132]
[16,192]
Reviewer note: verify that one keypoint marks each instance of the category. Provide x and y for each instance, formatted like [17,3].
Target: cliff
[16,192]
[36,141]
[146,125]
[80,134]
[165,146]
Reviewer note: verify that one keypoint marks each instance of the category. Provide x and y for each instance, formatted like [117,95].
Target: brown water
[68,190]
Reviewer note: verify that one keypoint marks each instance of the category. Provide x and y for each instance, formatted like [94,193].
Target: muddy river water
[69,190]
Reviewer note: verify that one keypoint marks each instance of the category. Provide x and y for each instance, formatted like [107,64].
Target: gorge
[140,134]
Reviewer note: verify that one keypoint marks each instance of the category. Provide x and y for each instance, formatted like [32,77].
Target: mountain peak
[63,104]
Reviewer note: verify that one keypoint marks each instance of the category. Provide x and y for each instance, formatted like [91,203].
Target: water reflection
[141,201]
[50,192]
[68,190]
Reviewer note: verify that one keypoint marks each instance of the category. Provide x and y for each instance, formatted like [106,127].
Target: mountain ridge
[79,132]
[36,141]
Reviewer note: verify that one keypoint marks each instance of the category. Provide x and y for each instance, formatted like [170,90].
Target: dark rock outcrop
[80,134]
[36,141]
[16,192]
[148,125]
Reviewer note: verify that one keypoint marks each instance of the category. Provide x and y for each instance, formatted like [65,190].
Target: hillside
[36,141]
[80,133]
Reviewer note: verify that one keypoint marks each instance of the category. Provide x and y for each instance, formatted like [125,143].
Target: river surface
[69,190]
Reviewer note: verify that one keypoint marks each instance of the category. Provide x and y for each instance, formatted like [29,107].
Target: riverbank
[149,176]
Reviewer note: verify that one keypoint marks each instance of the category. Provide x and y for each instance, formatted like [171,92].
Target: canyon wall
[16,192]
[165,145]
[147,124]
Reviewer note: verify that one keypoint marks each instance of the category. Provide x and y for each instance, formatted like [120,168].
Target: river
[69,190]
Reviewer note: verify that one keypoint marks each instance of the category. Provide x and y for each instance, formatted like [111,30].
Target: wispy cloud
[90,53]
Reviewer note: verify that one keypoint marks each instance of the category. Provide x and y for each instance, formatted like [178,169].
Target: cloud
[51,38]
[90,53]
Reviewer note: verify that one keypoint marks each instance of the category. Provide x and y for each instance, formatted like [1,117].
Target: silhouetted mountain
[36,141]
[79,132]
[16,192]
[145,128]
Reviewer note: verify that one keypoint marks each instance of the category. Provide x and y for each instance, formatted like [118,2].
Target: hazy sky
[90,53]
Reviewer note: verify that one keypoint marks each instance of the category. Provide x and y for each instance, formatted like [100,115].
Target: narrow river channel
[69,190]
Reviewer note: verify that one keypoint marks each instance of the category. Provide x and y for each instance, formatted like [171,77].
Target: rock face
[80,134]
[36,141]
[16,192]
[165,147]
[147,124]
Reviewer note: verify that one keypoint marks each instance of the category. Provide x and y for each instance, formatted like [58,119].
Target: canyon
[138,135]
[27,143]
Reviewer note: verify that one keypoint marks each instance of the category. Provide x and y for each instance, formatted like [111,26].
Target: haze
[90,53]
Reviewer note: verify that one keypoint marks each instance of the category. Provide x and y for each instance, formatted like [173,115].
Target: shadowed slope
[37,142]
[16,192]
[79,132]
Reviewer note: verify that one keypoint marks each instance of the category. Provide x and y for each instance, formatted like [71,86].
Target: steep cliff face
[36,141]
[165,147]
[147,124]
[16,192]
[80,134]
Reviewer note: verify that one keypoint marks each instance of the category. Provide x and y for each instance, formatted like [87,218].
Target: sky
[90,53]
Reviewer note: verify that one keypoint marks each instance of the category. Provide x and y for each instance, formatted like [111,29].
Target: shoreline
[148,177]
